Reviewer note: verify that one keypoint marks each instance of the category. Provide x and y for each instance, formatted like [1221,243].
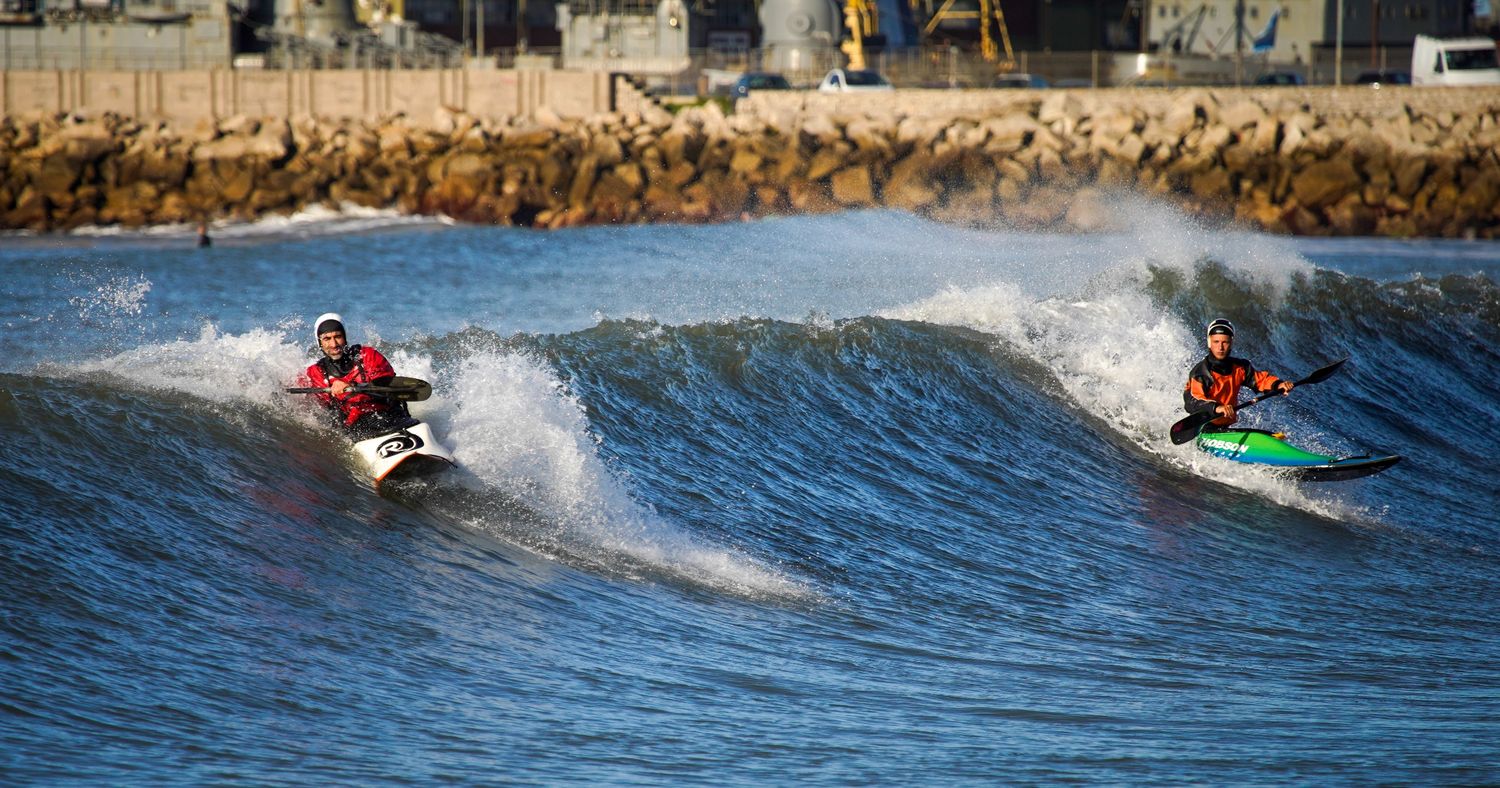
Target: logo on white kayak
[398,444]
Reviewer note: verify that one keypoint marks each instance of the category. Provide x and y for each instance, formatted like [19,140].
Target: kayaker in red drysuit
[344,365]
[1214,384]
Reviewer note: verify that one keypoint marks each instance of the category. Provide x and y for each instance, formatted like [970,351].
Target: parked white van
[1454,61]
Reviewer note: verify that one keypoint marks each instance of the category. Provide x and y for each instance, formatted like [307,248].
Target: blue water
[845,499]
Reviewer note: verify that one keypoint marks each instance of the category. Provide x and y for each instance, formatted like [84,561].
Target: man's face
[1219,346]
[332,343]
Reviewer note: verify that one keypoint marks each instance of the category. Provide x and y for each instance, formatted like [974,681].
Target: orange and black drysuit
[1213,383]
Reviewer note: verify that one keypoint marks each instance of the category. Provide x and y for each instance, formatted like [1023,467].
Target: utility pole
[520,26]
[1338,46]
[1046,26]
[1239,42]
[1145,17]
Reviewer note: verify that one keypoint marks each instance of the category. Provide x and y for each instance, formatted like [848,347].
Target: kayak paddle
[1188,429]
[404,389]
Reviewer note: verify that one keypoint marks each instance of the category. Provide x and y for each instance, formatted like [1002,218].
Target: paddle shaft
[354,389]
[408,390]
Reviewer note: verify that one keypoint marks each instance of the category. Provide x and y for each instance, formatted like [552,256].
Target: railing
[107,59]
[321,59]
[957,68]
[907,68]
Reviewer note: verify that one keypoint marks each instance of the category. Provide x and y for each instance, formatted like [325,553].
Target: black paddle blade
[1322,374]
[1188,429]
[404,389]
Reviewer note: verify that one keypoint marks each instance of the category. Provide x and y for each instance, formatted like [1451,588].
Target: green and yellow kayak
[1259,447]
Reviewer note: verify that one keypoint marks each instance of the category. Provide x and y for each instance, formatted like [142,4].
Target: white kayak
[408,452]
[408,449]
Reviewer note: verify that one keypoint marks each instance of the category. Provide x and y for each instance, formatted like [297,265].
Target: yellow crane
[863,19]
[988,13]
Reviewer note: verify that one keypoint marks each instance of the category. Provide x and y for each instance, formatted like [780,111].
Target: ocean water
[833,500]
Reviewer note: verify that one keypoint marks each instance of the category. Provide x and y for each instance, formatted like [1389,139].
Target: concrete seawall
[1398,162]
[188,96]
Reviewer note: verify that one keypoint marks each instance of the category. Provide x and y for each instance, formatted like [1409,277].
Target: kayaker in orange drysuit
[1214,383]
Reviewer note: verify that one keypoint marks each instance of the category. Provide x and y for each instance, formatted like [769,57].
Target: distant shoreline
[1347,162]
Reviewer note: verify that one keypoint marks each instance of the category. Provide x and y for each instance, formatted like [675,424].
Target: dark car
[757,80]
[1378,78]
[1020,81]
[1281,79]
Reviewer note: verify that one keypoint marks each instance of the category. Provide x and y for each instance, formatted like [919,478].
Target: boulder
[909,186]
[1211,185]
[86,142]
[1059,106]
[1241,114]
[745,161]
[1326,182]
[918,131]
[1409,174]
[1009,133]
[1182,117]
[853,186]
[869,137]
[809,196]
[607,150]
[56,175]
[827,160]
[1262,141]
[583,181]
[29,211]
[237,185]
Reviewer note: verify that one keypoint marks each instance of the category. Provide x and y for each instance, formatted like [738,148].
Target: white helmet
[328,317]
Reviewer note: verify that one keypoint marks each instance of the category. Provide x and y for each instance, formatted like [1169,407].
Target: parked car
[1377,78]
[1023,81]
[1280,79]
[758,80]
[1454,61]
[842,81]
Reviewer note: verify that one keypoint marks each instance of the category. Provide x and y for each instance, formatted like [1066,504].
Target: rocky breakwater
[1301,162]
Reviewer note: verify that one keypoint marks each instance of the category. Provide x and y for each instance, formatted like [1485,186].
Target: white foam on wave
[517,429]
[316,219]
[1116,354]
[224,369]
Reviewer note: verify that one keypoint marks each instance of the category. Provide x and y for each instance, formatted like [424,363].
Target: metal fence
[952,67]
[947,67]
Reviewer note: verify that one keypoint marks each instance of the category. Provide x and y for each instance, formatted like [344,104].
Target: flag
[1266,41]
